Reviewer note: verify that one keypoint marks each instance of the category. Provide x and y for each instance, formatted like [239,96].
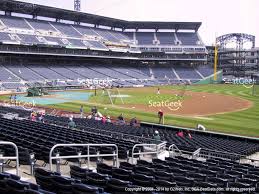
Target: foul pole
[215,62]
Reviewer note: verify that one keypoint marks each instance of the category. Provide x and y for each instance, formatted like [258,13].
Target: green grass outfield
[244,122]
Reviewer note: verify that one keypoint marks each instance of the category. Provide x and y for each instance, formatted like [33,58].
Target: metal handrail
[162,145]
[173,147]
[88,156]
[199,153]
[16,157]
[158,147]
[211,152]
[196,153]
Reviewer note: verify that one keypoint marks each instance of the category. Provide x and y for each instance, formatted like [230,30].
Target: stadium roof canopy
[57,13]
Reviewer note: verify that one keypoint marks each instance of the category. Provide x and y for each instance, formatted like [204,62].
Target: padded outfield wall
[210,79]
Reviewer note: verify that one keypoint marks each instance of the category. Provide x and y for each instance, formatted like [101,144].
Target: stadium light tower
[77,5]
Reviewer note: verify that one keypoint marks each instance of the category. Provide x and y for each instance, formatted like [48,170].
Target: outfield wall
[210,79]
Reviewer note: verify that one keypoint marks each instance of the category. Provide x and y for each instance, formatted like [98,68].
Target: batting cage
[111,96]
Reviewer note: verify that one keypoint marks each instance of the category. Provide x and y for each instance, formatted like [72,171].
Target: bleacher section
[145,38]
[97,45]
[198,140]
[163,73]
[86,31]
[10,85]
[76,42]
[188,38]
[15,22]
[122,75]
[172,172]
[69,37]
[28,39]
[205,70]
[66,29]
[107,35]
[166,38]
[25,73]
[35,138]
[33,32]
[66,72]
[40,138]
[88,73]
[6,75]
[54,40]
[4,37]
[41,25]
[187,73]
[10,183]
[46,72]
[131,72]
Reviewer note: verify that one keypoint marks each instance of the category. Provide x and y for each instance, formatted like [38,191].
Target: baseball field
[223,108]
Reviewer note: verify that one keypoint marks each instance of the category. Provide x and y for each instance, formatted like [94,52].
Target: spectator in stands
[201,127]
[71,123]
[160,116]
[90,116]
[94,110]
[188,134]
[41,118]
[81,111]
[133,122]
[108,119]
[121,120]
[98,118]
[33,116]
[104,120]
[157,137]
[180,134]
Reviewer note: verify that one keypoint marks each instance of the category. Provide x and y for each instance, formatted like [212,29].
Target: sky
[218,17]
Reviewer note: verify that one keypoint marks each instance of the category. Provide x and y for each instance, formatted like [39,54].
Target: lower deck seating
[178,172]
[198,140]
[12,184]
[38,138]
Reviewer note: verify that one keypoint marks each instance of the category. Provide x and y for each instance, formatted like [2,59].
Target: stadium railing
[150,149]
[16,157]
[79,156]
[209,153]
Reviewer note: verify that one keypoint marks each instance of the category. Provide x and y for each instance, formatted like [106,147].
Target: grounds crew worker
[160,115]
